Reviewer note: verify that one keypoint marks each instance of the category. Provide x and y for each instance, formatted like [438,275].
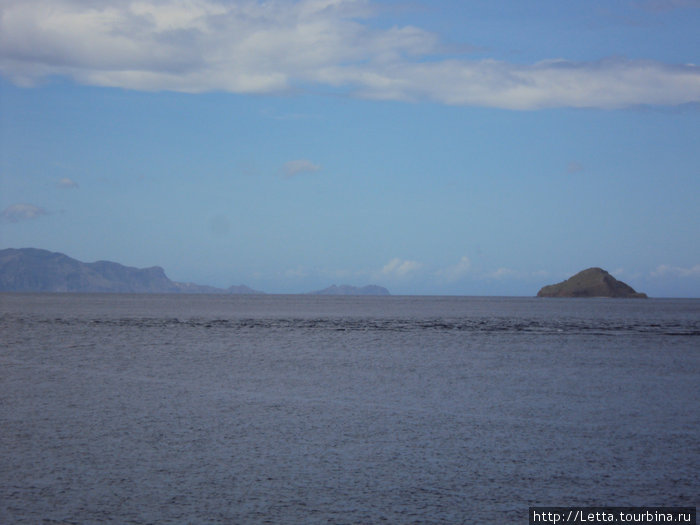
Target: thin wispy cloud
[455,272]
[297,167]
[400,268]
[667,5]
[272,47]
[574,167]
[22,212]
[676,271]
[67,183]
[502,273]
[297,272]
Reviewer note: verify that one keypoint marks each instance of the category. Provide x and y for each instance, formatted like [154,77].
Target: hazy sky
[432,147]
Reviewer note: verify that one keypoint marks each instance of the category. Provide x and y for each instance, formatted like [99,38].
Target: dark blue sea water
[312,409]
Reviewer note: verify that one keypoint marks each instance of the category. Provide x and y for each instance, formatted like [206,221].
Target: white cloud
[67,183]
[22,212]
[502,273]
[271,46]
[295,167]
[613,83]
[677,271]
[457,271]
[400,268]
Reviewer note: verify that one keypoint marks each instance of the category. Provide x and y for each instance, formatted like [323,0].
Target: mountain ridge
[346,289]
[37,270]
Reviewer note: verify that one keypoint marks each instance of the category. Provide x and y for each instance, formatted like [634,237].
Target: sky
[431,147]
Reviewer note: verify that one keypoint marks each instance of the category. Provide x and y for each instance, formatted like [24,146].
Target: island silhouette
[592,282]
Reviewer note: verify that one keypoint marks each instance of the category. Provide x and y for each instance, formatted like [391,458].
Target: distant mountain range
[371,289]
[35,270]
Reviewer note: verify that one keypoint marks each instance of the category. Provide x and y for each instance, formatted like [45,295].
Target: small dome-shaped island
[593,282]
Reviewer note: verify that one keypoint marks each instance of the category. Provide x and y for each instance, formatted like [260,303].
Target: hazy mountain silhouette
[35,270]
[345,289]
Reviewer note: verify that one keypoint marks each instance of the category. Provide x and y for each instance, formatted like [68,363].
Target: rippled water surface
[311,409]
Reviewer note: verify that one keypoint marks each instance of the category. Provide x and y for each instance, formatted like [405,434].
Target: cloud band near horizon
[22,212]
[274,47]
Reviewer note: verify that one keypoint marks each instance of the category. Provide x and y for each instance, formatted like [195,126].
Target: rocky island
[593,282]
[371,289]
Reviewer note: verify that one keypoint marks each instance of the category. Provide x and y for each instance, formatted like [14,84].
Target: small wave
[476,325]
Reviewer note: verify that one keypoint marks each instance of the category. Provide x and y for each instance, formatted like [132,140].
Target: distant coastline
[37,270]
[371,289]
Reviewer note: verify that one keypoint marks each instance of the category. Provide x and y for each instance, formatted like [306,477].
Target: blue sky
[452,147]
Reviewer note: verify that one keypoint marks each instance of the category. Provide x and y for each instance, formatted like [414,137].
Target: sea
[213,409]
